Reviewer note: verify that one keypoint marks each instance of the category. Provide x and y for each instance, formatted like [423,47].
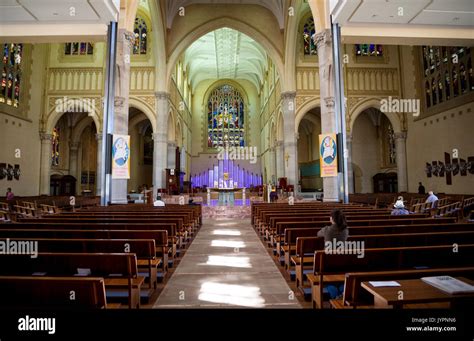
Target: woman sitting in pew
[399,208]
[336,232]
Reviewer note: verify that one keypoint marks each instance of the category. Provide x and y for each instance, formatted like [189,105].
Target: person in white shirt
[158,202]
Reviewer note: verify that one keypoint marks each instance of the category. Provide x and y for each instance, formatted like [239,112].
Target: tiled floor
[227,266]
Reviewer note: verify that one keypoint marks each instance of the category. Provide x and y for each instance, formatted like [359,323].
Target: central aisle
[227,266]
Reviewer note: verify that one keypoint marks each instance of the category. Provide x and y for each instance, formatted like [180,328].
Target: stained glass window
[392,149]
[141,34]
[369,50]
[448,70]
[225,118]
[78,49]
[55,147]
[11,74]
[310,47]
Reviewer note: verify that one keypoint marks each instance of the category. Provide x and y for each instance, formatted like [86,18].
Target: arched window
[11,74]
[78,49]
[225,118]
[55,147]
[310,47]
[447,73]
[392,149]
[141,35]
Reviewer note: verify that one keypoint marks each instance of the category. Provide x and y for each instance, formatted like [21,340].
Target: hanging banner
[328,154]
[121,157]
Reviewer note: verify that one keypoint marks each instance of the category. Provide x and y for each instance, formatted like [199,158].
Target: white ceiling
[277,7]
[225,53]
[412,12]
[58,11]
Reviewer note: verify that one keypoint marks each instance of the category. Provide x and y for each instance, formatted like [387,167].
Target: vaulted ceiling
[225,53]
[277,7]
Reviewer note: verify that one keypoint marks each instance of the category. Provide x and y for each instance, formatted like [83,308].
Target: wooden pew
[160,238]
[119,270]
[33,292]
[329,267]
[355,296]
[144,249]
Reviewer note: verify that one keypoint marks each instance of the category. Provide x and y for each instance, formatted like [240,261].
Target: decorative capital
[46,137]
[128,37]
[171,144]
[74,146]
[329,101]
[402,135]
[98,136]
[162,95]
[288,95]
[119,102]
[278,143]
[159,137]
[322,38]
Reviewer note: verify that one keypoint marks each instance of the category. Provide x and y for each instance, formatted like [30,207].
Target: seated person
[399,208]
[158,201]
[337,231]
[432,199]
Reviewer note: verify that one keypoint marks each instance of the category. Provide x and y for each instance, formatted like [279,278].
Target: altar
[226,196]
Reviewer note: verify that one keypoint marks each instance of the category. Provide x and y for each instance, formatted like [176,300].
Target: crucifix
[287,156]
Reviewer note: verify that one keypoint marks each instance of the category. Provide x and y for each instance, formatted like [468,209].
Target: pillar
[289,137]
[160,140]
[401,150]
[280,161]
[98,179]
[323,41]
[122,88]
[46,149]
[350,170]
[273,177]
[73,159]
[171,154]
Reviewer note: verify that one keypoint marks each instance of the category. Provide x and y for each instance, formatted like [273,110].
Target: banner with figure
[121,157]
[328,154]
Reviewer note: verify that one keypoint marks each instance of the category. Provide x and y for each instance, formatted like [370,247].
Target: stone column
[171,154]
[350,170]
[323,41]
[401,150]
[288,106]
[280,159]
[122,88]
[73,159]
[46,149]
[160,140]
[98,177]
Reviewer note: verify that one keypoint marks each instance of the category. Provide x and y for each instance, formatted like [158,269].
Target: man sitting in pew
[332,234]
[399,208]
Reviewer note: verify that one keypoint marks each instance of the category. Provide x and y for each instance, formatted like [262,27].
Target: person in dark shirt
[421,188]
[336,232]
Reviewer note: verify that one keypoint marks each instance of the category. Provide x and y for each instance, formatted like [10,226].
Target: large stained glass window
[78,49]
[11,74]
[225,118]
[449,71]
[310,47]
[369,50]
[141,34]
[55,147]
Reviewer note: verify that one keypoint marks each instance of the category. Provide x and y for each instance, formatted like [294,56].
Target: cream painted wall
[365,153]
[22,133]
